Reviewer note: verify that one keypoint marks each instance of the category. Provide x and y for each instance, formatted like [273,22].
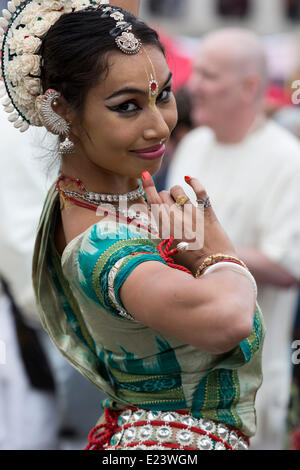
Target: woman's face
[121,127]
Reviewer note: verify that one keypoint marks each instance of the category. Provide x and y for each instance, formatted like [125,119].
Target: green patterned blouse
[79,306]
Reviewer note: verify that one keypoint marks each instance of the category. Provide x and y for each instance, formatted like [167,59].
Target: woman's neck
[97,179]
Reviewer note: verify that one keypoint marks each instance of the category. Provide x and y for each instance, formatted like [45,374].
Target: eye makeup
[130,107]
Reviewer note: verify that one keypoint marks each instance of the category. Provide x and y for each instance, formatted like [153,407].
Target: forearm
[129,5]
[264,270]
[214,313]
[222,318]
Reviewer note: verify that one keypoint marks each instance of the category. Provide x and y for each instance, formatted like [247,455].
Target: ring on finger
[181,200]
[205,203]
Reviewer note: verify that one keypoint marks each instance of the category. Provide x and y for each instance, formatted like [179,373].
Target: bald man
[251,170]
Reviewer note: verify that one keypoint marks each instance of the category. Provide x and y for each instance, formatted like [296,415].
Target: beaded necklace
[164,247]
[80,200]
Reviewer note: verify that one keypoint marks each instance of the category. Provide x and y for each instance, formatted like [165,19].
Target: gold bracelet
[213,259]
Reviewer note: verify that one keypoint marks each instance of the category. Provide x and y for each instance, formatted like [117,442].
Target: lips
[151,153]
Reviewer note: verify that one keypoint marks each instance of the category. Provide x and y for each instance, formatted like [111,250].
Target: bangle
[235,267]
[218,258]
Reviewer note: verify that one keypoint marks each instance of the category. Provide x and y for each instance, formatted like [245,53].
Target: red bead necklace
[165,253]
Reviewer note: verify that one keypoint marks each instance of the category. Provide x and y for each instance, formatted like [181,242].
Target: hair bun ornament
[124,38]
[22,26]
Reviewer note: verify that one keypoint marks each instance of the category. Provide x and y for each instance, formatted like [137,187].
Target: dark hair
[75,51]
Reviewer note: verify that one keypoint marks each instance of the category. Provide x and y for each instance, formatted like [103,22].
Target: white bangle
[235,267]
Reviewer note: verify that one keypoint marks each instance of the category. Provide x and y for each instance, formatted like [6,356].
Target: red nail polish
[146,176]
[187,179]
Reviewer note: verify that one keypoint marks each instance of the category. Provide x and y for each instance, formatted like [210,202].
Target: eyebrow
[126,91]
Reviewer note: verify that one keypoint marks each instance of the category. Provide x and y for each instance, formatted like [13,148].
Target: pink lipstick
[151,153]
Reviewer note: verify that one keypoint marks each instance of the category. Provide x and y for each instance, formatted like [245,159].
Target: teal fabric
[131,363]
[98,243]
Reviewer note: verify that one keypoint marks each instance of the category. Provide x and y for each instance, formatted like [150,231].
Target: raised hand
[198,227]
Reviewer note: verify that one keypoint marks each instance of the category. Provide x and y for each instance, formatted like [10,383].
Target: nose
[157,128]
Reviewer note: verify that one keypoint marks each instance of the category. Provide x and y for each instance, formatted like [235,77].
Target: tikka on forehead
[152,83]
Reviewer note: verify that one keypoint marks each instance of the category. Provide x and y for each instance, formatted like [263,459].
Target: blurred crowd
[238,132]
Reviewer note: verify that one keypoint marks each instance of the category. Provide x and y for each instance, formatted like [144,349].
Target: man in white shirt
[250,168]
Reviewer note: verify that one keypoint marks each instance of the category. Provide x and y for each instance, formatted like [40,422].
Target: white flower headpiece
[22,28]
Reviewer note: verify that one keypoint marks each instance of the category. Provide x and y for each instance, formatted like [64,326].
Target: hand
[216,239]
[198,227]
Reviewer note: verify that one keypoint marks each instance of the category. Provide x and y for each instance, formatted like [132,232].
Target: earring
[66,147]
[54,122]
[51,120]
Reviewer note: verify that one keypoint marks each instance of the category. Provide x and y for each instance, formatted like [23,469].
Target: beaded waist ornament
[23,26]
[138,429]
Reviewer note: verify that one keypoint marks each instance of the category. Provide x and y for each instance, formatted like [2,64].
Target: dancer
[173,341]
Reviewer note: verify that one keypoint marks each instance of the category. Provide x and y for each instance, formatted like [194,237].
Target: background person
[250,166]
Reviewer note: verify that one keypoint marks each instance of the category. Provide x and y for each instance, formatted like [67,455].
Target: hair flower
[29,64]
[22,28]
[31,44]
[16,41]
[57,4]
[30,13]
[32,85]
[40,27]
[25,99]
[80,4]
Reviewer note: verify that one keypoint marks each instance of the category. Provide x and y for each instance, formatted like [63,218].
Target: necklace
[165,253]
[130,215]
[96,198]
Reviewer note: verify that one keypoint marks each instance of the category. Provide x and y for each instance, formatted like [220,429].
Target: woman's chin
[153,166]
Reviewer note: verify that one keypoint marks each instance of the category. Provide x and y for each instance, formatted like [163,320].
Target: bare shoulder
[70,223]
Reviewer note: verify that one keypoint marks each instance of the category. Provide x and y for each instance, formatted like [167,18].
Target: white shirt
[254,187]
[29,418]
[24,180]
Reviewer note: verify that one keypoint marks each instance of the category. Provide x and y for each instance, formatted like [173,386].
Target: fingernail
[187,179]
[146,176]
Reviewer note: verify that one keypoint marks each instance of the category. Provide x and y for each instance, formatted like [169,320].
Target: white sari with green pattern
[79,306]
